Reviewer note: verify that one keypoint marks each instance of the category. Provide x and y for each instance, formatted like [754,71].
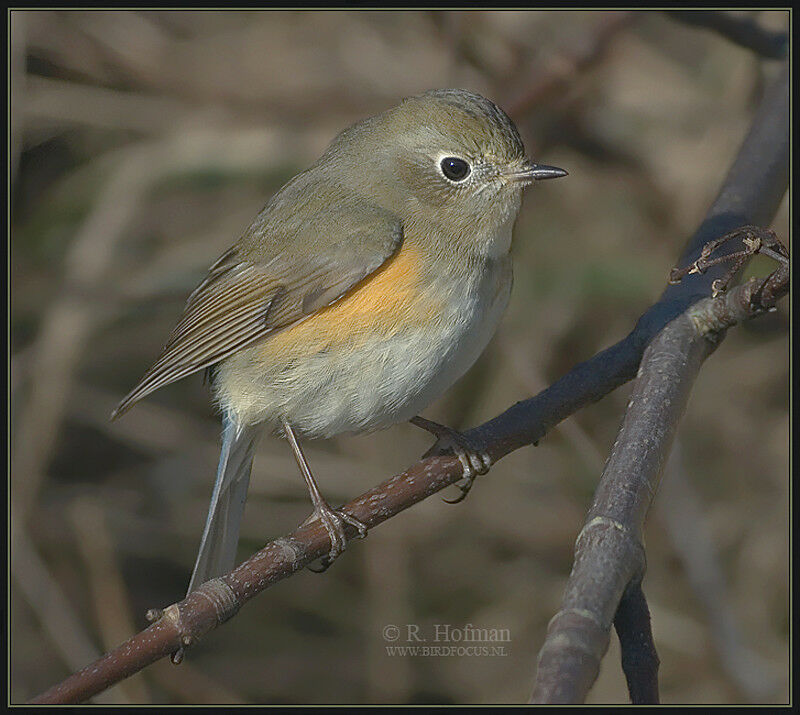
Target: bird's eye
[454,168]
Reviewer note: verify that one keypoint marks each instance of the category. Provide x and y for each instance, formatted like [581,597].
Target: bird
[367,285]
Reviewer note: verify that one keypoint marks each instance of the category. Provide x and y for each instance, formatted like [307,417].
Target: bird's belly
[373,373]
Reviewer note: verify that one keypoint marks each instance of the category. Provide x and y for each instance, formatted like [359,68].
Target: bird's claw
[474,461]
[334,520]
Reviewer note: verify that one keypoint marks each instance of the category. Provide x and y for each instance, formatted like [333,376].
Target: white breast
[385,380]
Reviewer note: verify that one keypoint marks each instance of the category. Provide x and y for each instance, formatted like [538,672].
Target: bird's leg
[473,460]
[332,519]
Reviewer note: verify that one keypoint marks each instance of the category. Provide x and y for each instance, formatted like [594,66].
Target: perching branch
[751,194]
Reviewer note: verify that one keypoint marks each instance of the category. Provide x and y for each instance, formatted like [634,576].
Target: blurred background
[142,145]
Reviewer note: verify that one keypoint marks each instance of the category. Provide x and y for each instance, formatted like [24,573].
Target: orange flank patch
[384,303]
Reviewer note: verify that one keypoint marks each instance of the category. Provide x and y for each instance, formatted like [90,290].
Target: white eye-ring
[454,168]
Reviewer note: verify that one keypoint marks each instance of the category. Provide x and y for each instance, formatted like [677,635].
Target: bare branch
[609,556]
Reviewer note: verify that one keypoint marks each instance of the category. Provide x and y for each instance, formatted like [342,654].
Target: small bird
[363,290]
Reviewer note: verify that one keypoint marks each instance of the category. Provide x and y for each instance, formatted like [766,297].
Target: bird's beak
[535,172]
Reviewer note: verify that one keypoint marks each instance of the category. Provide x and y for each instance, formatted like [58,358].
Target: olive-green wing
[299,255]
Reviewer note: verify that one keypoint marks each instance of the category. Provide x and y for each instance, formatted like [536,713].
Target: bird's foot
[474,461]
[334,521]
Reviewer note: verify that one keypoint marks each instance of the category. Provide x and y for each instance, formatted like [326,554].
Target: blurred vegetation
[142,145]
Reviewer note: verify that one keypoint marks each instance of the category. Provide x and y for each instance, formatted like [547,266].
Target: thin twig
[754,239]
[67,325]
[679,511]
[58,619]
[111,605]
[639,657]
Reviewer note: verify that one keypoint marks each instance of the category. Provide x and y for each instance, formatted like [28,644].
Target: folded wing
[297,257]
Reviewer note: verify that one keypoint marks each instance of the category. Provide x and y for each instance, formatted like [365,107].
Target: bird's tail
[221,534]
